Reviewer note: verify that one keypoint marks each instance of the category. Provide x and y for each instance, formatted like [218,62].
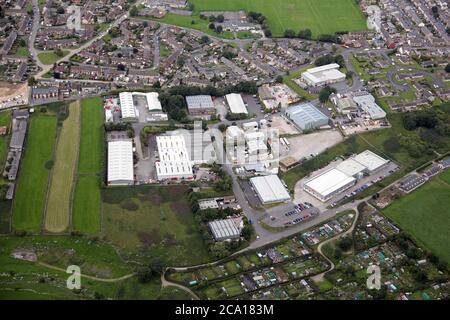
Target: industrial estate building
[323,75]
[306,117]
[367,103]
[201,106]
[236,103]
[127,106]
[120,162]
[174,161]
[270,189]
[336,180]
[226,229]
[128,103]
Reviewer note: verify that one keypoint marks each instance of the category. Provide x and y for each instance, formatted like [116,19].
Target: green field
[86,216]
[29,280]
[321,16]
[91,145]
[59,201]
[199,24]
[5,120]
[50,57]
[149,222]
[164,51]
[425,215]
[22,52]
[445,176]
[33,179]
[96,258]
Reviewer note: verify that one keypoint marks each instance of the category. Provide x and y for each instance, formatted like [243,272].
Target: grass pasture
[153,222]
[91,145]
[86,214]
[58,211]
[32,184]
[199,24]
[50,57]
[5,120]
[321,16]
[425,215]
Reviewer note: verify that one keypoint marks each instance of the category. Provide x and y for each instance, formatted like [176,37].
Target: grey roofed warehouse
[270,189]
[367,103]
[200,105]
[306,116]
[226,228]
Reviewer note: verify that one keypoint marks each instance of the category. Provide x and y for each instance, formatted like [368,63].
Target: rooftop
[199,102]
[368,104]
[270,188]
[120,161]
[236,103]
[329,181]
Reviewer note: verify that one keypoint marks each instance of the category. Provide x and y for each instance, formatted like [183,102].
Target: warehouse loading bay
[300,195]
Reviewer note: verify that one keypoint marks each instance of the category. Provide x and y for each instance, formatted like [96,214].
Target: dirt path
[319,277]
[165,283]
[43,264]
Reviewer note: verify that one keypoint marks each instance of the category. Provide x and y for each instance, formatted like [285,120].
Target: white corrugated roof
[152,101]
[327,72]
[174,158]
[127,105]
[120,161]
[370,160]
[226,228]
[270,188]
[350,167]
[328,182]
[236,103]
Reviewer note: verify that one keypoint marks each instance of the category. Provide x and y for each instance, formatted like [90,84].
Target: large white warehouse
[331,182]
[236,103]
[127,106]
[174,161]
[120,162]
[323,75]
[270,189]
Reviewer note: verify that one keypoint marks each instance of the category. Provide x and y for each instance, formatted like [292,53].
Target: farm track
[127,276]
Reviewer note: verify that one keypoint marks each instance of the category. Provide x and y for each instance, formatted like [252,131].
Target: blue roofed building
[306,117]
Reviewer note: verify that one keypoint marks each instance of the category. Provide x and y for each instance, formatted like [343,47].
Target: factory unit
[128,101]
[367,103]
[236,104]
[226,229]
[200,106]
[329,183]
[336,180]
[127,108]
[120,163]
[344,104]
[306,117]
[174,162]
[270,189]
[323,75]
